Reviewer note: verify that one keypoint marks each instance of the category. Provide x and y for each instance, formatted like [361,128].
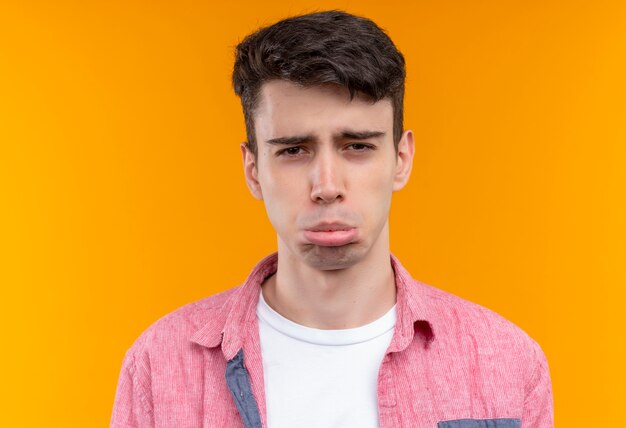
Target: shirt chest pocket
[481,423]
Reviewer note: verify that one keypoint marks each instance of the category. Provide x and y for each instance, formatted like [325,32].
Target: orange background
[123,198]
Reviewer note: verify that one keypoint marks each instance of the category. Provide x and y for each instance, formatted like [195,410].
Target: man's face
[326,168]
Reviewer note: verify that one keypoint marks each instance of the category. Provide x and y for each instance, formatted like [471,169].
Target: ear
[406,149]
[250,171]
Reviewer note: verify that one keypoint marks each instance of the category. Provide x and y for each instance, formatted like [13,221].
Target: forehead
[285,108]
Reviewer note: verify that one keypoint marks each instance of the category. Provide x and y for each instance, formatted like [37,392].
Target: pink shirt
[451,364]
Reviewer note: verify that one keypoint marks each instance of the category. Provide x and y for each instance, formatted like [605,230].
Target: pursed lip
[331,234]
[329,227]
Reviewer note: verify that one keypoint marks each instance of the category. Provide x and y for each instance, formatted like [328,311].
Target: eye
[290,151]
[360,147]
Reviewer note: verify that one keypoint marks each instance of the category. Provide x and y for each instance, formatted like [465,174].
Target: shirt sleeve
[133,402]
[538,402]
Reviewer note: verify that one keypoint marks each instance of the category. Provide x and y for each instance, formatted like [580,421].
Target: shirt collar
[415,310]
[230,325]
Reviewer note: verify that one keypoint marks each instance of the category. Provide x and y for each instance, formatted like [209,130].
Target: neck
[333,299]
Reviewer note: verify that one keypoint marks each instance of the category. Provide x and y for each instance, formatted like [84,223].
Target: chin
[333,258]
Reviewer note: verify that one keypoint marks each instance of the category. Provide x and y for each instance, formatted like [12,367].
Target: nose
[326,179]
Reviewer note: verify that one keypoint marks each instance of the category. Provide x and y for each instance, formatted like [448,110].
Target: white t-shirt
[321,378]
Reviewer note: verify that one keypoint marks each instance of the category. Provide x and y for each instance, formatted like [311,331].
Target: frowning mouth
[329,227]
[331,234]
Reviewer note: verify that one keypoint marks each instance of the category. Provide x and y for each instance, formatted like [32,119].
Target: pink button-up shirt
[451,364]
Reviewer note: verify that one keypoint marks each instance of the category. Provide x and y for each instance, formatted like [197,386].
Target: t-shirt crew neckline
[342,337]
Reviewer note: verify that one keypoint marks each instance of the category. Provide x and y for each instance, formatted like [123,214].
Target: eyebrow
[346,135]
[300,139]
[361,135]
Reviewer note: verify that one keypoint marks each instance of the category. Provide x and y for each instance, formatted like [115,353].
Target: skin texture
[327,173]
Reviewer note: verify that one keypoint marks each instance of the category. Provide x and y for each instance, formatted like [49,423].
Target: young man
[330,331]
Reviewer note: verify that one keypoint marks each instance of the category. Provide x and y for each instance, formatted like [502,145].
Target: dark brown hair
[319,48]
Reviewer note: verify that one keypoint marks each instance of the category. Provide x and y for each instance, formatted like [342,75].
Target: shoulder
[161,353]
[175,329]
[482,340]
[460,321]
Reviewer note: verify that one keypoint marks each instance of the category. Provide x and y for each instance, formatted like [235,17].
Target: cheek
[281,198]
[281,189]
[375,192]
[375,181]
